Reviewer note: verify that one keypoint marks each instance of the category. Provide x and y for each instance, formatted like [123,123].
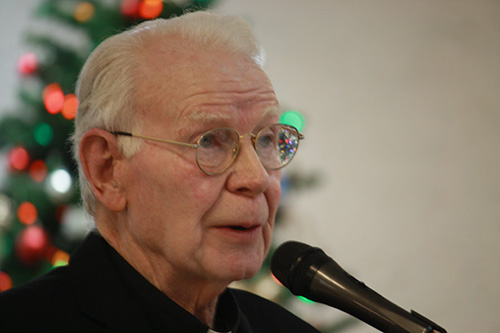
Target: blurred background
[398,178]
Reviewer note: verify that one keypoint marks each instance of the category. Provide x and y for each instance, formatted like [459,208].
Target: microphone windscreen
[291,264]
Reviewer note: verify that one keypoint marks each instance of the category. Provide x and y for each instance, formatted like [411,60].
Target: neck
[193,293]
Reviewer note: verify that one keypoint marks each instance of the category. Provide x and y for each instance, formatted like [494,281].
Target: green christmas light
[43,134]
[294,118]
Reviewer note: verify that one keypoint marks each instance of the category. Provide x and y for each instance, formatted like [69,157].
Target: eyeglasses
[217,149]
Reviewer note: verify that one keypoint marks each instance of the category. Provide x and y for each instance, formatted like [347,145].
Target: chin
[245,271]
[241,277]
[238,264]
[238,269]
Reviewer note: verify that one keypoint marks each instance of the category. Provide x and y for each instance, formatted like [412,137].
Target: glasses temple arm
[184,144]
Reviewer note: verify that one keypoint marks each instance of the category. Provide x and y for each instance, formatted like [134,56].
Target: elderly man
[179,149]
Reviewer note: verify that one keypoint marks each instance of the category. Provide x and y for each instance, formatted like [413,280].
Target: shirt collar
[164,314]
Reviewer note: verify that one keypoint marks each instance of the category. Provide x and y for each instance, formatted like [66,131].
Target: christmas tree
[41,221]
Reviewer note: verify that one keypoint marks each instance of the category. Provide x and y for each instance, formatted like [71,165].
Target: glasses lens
[216,150]
[276,145]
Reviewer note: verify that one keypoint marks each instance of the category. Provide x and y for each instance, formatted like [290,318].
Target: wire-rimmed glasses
[217,149]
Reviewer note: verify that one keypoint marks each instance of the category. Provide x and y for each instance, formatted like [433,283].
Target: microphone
[307,271]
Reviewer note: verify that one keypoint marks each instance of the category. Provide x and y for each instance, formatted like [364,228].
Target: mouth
[241,228]
[241,233]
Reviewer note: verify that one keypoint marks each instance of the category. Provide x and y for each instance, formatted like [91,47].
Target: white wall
[402,101]
[14,20]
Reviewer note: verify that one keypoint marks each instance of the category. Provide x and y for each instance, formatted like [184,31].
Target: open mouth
[242,228]
[239,228]
[241,233]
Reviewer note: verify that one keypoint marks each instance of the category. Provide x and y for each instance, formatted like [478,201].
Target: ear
[100,157]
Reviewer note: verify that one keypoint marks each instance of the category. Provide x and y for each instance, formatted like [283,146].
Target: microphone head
[294,264]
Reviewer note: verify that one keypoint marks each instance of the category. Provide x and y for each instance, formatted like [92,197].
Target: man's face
[190,224]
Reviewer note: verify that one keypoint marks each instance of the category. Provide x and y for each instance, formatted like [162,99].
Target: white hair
[107,85]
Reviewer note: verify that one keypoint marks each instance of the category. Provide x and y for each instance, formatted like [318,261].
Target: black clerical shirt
[100,292]
[164,315]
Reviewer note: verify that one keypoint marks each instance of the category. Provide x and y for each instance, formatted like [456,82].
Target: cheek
[169,204]
[273,195]
[185,195]
[273,192]
[170,176]
[201,193]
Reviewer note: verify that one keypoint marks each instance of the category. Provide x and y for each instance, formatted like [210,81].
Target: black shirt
[162,313]
[100,292]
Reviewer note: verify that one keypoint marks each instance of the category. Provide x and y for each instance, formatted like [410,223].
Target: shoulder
[266,316]
[35,300]
[52,300]
[52,285]
[55,285]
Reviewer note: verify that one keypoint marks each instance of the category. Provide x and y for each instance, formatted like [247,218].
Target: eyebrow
[272,111]
[199,115]
[206,116]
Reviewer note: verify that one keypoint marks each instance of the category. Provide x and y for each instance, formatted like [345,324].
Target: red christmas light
[130,8]
[70,106]
[27,213]
[27,64]
[53,98]
[149,9]
[5,281]
[19,158]
[32,245]
[38,171]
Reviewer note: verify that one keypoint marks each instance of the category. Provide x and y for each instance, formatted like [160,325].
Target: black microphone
[307,271]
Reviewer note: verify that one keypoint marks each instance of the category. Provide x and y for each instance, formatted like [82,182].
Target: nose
[247,175]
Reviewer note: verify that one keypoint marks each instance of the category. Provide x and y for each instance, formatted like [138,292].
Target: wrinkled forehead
[190,86]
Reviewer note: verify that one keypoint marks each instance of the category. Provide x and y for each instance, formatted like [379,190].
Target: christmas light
[149,9]
[27,64]
[60,181]
[84,12]
[5,281]
[59,258]
[38,171]
[294,118]
[74,223]
[32,245]
[27,213]
[70,106]
[53,98]
[130,8]
[6,212]
[43,134]
[19,158]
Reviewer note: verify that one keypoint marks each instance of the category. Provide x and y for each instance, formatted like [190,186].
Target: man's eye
[218,138]
[206,140]
[265,141]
